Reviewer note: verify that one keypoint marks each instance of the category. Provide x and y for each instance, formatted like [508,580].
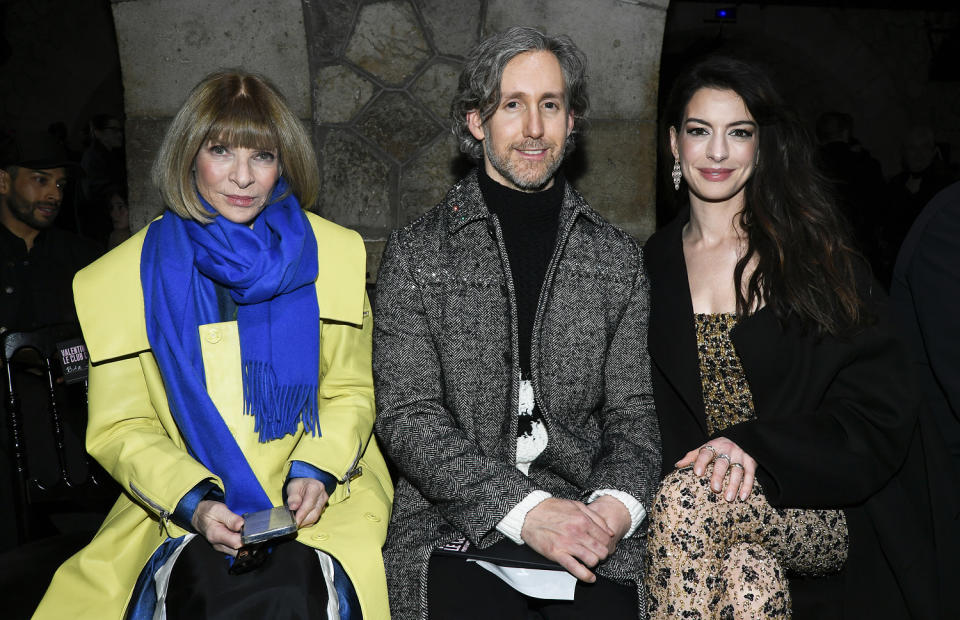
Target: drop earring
[676,174]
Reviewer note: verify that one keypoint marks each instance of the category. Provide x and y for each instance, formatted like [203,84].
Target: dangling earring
[676,174]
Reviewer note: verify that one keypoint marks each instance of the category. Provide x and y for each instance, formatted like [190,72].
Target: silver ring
[740,465]
[707,446]
[724,456]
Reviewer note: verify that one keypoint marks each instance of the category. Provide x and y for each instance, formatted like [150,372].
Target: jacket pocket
[159,510]
[353,472]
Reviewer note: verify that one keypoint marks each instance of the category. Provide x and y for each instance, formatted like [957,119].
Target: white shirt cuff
[635,508]
[512,524]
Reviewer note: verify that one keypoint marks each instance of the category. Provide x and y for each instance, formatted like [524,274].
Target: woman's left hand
[307,497]
[725,455]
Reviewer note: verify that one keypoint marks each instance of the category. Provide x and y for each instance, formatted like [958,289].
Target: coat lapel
[672,340]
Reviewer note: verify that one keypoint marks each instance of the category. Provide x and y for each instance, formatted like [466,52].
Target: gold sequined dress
[712,558]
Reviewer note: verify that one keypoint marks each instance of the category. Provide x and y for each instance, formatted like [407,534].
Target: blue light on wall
[725,14]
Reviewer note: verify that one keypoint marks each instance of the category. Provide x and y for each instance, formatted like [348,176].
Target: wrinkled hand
[568,533]
[221,527]
[307,497]
[615,515]
[741,478]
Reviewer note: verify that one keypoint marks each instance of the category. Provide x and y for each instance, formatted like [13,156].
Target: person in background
[119,217]
[104,168]
[925,302]
[857,180]
[39,260]
[924,174]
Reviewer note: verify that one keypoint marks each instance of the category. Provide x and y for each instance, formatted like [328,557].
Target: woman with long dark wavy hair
[785,411]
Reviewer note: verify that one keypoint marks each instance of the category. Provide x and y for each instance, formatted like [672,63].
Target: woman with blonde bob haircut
[243,110]
[243,385]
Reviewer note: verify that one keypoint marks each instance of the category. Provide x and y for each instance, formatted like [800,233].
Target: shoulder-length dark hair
[805,261]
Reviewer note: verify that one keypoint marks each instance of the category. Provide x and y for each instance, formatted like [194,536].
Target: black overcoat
[835,427]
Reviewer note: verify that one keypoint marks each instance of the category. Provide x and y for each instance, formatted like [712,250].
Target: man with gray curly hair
[512,379]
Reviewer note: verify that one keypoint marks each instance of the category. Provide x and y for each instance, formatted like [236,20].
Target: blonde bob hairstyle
[239,110]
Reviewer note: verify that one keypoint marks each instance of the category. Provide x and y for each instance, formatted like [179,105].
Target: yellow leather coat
[132,434]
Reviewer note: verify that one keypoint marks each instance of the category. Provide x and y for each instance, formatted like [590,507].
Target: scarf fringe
[278,410]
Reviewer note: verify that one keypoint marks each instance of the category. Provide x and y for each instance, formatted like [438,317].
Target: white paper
[556,585]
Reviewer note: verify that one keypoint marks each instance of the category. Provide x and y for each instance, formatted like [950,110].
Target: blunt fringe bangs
[479,84]
[241,110]
[807,266]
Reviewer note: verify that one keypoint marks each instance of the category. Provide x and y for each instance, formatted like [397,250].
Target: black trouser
[289,584]
[461,590]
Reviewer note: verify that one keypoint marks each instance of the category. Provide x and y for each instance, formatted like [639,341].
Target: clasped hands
[725,455]
[577,536]
[307,497]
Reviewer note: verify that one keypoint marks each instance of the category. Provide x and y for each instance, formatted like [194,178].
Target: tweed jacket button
[213,335]
[369,516]
[321,536]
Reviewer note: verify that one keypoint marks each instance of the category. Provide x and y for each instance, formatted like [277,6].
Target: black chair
[81,487]
[58,509]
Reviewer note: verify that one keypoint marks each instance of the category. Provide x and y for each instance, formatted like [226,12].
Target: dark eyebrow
[519,94]
[49,175]
[703,122]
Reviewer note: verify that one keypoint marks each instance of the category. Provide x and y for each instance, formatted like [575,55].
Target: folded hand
[569,533]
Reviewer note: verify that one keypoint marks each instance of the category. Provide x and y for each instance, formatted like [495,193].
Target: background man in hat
[39,260]
[37,265]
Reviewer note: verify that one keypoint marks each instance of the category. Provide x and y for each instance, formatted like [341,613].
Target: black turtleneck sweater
[529,222]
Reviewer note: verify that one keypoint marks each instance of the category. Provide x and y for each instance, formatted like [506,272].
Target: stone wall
[375,79]
[384,73]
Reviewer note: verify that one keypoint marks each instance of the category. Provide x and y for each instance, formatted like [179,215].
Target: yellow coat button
[321,536]
[214,336]
[369,516]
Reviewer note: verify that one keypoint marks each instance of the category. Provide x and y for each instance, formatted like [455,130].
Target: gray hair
[479,86]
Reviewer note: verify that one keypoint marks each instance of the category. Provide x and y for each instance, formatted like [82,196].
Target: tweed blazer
[446,371]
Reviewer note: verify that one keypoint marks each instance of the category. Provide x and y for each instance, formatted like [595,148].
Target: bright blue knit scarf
[269,271]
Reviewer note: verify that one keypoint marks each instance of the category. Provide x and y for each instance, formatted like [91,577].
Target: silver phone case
[267,524]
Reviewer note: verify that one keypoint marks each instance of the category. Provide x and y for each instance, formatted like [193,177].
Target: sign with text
[73,360]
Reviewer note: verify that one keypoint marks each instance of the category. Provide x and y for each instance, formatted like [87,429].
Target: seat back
[30,357]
